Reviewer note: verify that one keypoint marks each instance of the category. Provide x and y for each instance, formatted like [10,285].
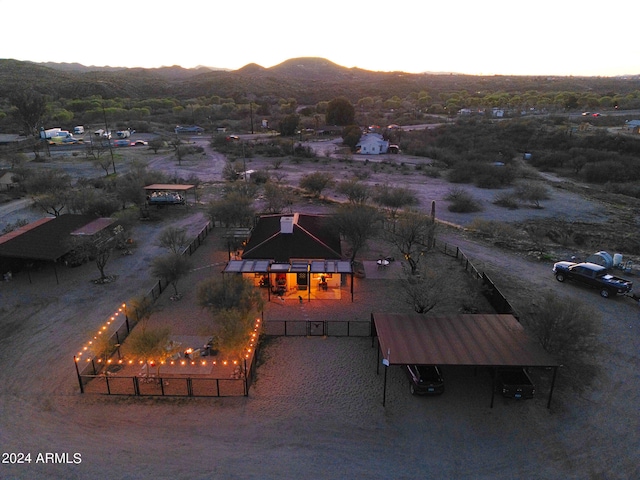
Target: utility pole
[107,133]
[251,112]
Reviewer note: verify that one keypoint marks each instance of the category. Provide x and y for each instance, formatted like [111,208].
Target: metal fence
[170,386]
[89,371]
[495,297]
[317,328]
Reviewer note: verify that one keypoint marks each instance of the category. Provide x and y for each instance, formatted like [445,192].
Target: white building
[372,144]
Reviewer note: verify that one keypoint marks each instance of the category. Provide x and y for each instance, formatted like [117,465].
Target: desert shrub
[602,172]
[506,199]
[270,150]
[494,229]
[532,192]
[569,331]
[304,151]
[260,177]
[630,190]
[361,173]
[462,201]
[431,172]
[461,173]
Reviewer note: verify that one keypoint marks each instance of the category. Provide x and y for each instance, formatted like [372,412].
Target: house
[6,180]
[294,254]
[632,125]
[372,144]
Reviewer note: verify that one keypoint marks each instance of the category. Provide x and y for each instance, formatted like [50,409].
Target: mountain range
[308,80]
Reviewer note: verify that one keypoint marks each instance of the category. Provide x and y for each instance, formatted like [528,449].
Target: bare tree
[357,224]
[427,287]
[277,198]
[412,234]
[30,110]
[96,152]
[173,239]
[172,268]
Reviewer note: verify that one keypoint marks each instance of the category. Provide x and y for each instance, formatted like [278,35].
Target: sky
[490,37]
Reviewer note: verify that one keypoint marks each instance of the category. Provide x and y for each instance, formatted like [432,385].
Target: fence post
[246,379]
[75,361]
[136,386]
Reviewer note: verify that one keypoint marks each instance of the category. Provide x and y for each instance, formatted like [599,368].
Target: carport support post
[553,383]
[384,389]
[493,385]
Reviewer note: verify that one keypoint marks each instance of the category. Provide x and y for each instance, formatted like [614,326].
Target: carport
[171,187]
[48,239]
[473,340]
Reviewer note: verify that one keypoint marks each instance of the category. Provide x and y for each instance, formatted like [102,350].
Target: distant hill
[308,79]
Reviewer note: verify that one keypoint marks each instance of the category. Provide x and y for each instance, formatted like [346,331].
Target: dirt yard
[315,410]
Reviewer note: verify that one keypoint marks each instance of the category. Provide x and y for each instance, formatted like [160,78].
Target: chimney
[286,224]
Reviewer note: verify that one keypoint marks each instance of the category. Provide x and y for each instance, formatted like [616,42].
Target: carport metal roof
[45,239]
[465,340]
[169,186]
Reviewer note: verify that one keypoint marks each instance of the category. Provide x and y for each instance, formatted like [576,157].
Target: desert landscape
[315,408]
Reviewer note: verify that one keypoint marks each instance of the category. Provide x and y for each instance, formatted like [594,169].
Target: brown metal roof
[24,229]
[94,227]
[169,186]
[45,239]
[470,340]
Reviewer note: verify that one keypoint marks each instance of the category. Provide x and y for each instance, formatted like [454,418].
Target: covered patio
[304,279]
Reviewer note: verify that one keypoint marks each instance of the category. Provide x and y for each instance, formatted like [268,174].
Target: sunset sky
[560,37]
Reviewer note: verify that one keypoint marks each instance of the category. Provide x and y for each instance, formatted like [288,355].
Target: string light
[247,351]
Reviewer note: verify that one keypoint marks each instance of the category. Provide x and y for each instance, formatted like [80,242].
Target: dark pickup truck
[593,275]
[514,383]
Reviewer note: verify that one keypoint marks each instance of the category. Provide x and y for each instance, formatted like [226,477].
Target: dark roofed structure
[46,239]
[286,237]
[474,340]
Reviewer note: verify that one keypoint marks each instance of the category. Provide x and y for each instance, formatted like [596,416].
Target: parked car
[165,198]
[425,379]
[593,275]
[514,383]
[139,143]
[189,129]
